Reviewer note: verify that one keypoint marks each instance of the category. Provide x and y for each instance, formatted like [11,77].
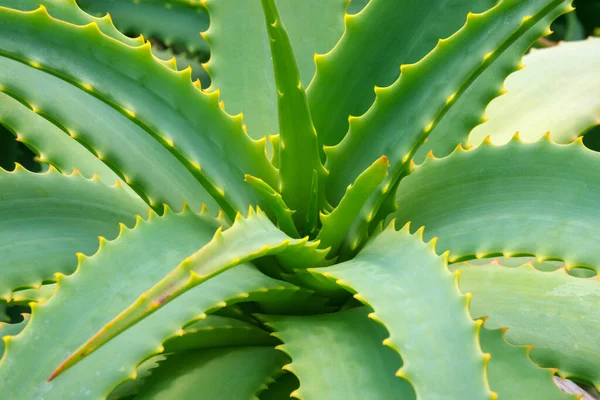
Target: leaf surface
[553,311]
[519,199]
[175,23]
[165,103]
[103,285]
[248,238]
[376,41]
[417,299]
[555,92]
[237,36]
[46,218]
[339,356]
[228,373]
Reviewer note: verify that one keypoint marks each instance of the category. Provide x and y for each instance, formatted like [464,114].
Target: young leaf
[249,238]
[298,152]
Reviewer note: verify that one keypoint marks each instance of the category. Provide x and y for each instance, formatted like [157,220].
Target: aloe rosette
[304,225]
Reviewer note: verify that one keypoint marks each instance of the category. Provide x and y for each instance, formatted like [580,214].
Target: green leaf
[273,199]
[339,356]
[417,299]
[183,61]
[82,119]
[228,373]
[298,152]
[554,93]
[69,11]
[249,237]
[163,102]
[468,110]
[176,23]
[376,132]
[281,388]
[216,331]
[337,223]
[237,37]
[511,373]
[52,145]
[7,329]
[103,285]
[386,34]
[553,311]
[405,113]
[37,295]
[519,199]
[47,218]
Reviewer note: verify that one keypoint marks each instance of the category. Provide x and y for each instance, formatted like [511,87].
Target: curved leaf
[557,89]
[538,199]
[417,299]
[248,238]
[228,373]
[46,218]
[176,23]
[511,373]
[102,286]
[339,356]
[237,37]
[553,311]
[165,103]
[52,145]
[376,41]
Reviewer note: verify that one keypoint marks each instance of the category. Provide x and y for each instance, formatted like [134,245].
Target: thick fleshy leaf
[102,286]
[301,172]
[69,11]
[163,102]
[248,238]
[237,36]
[553,311]
[227,373]
[538,199]
[405,113]
[339,356]
[177,23]
[281,388]
[81,119]
[556,93]
[385,35]
[335,225]
[512,374]
[46,218]
[417,299]
[217,331]
[7,329]
[273,200]
[52,145]
[468,110]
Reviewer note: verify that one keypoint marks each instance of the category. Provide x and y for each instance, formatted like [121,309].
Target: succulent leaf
[248,238]
[175,23]
[568,71]
[102,286]
[518,199]
[300,167]
[339,356]
[142,89]
[62,215]
[402,279]
[512,374]
[383,36]
[228,373]
[553,311]
[237,37]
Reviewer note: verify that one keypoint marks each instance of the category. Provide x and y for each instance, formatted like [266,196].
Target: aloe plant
[310,247]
